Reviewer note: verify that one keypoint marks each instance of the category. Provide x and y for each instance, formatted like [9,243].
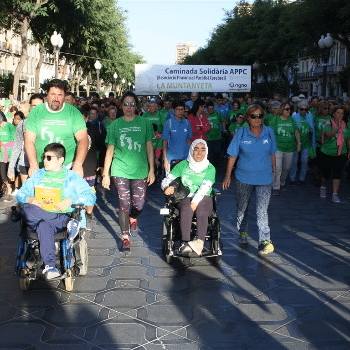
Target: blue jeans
[304,157]
[45,224]
[263,194]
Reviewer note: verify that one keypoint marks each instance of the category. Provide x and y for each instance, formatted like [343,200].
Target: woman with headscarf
[198,174]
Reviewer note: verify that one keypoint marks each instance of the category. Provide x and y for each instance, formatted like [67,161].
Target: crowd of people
[130,142]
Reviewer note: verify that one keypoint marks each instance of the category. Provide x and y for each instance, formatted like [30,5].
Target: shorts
[3,171]
[91,180]
[23,170]
[332,163]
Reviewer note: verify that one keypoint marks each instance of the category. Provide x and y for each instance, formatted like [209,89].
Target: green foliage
[6,82]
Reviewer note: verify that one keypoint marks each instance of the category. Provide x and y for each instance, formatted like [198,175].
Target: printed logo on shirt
[265,141]
[185,130]
[246,142]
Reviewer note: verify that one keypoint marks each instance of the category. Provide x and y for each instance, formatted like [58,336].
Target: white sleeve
[166,181]
[202,191]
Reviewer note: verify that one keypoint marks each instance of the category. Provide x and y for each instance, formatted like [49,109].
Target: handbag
[180,190]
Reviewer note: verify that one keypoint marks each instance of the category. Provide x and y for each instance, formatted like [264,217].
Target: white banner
[150,80]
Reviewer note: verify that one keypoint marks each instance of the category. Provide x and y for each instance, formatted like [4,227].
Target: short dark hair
[236,101]
[178,103]
[58,83]
[56,148]
[219,96]
[111,94]
[69,93]
[20,113]
[210,103]
[36,97]
[130,94]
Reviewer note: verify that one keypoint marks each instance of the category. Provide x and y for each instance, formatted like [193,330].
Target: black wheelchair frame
[71,258]
[171,232]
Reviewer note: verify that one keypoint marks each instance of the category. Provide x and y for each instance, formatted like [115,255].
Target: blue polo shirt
[170,114]
[177,133]
[254,165]
[222,109]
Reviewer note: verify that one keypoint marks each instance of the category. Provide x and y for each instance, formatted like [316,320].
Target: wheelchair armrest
[216,192]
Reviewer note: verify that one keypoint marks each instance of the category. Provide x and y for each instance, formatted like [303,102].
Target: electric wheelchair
[71,256]
[171,233]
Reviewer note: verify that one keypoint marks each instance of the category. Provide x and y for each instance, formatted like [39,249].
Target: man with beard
[56,121]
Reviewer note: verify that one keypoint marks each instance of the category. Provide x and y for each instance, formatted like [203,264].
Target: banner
[152,79]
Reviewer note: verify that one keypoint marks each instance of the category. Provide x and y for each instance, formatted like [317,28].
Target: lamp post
[129,85]
[255,66]
[115,76]
[325,44]
[98,67]
[123,82]
[57,42]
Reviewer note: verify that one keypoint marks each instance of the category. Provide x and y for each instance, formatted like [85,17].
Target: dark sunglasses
[127,104]
[254,116]
[287,109]
[48,158]
[303,109]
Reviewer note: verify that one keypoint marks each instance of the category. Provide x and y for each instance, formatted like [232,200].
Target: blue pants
[304,157]
[243,194]
[45,224]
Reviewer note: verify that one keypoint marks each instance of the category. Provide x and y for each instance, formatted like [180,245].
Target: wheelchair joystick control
[15,215]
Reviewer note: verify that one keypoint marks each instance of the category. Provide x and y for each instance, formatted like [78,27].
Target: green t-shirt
[215,119]
[235,127]
[268,118]
[60,127]
[232,115]
[243,108]
[313,112]
[163,112]
[284,133]
[304,129]
[330,146]
[130,154]
[54,179]
[192,179]
[7,134]
[159,119]
[319,126]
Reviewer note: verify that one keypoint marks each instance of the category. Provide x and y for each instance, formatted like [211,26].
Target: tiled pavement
[296,298]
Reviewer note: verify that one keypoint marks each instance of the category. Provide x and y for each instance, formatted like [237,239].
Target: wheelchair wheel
[84,257]
[24,281]
[68,281]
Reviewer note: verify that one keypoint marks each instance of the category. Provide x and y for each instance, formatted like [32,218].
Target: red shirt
[200,126]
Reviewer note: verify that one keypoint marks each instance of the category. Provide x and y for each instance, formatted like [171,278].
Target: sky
[155,27]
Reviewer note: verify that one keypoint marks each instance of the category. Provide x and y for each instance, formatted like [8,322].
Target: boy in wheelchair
[69,188]
[199,176]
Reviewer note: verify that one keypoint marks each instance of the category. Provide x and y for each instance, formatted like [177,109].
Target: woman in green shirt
[199,176]
[334,151]
[130,152]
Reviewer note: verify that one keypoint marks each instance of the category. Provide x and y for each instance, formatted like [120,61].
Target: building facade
[183,50]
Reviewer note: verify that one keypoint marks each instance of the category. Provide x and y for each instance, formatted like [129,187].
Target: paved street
[296,298]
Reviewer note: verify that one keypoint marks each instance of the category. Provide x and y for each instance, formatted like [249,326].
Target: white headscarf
[198,166]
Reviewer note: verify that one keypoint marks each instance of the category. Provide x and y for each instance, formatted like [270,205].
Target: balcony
[331,69]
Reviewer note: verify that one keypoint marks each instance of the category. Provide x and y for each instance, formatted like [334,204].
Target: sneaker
[88,222]
[126,245]
[243,237]
[73,229]
[275,192]
[265,247]
[293,183]
[323,192]
[283,188]
[50,272]
[184,249]
[335,198]
[7,198]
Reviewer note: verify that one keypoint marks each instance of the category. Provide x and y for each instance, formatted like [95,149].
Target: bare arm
[227,180]
[106,181]
[29,146]
[273,159]
[165,160]
[150,156]
[297,137]
[83,143]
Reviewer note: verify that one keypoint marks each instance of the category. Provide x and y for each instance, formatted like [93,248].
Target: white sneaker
[51,272]
[14,193]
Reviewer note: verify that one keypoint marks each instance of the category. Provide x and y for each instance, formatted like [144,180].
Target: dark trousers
[214,148]
[204,208]
[45,224]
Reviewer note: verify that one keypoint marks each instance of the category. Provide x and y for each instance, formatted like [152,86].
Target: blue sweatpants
[45,224]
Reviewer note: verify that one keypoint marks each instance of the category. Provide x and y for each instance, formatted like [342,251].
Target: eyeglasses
[48,158]
[254,116]
[303,109]
[127,104]
[179,109]
[287,109]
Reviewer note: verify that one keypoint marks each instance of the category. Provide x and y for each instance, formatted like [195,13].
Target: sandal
[184,249]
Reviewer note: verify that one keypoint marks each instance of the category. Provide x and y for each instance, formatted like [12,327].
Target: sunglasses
[287,109]
[127,104]
[254,116]
[303,109]
[48,158]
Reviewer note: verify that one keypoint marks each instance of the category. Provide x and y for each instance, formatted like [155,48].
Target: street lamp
[115,76]
[255,66]
[57,42]
[98,67]
[325,44]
